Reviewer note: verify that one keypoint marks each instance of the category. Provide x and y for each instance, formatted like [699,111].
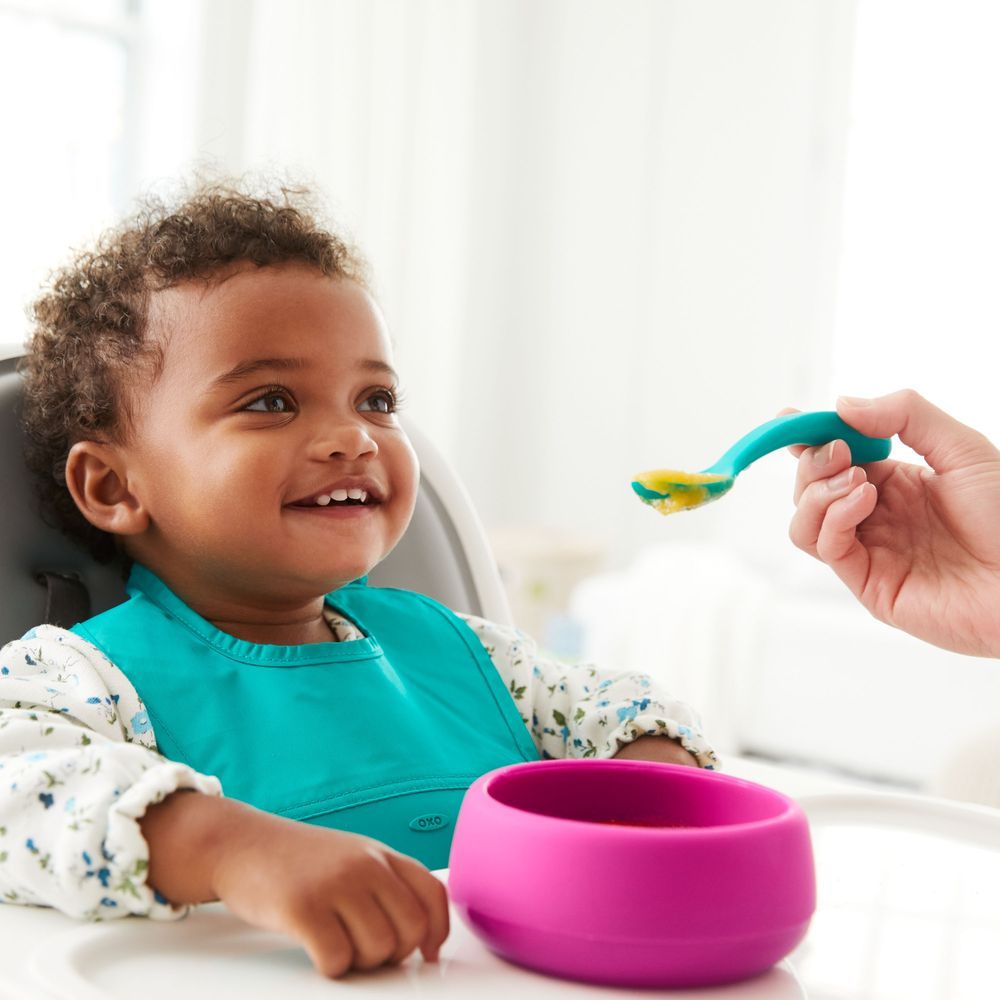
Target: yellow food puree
[684,489]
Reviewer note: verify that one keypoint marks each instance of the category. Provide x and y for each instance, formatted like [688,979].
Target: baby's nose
[348,440]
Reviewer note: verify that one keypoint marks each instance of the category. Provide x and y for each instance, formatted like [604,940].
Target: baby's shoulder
[46,646]
[491,632]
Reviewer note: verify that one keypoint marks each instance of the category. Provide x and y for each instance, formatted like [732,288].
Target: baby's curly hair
[90,345]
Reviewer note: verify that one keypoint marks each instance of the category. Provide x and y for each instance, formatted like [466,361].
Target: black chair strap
[67,600]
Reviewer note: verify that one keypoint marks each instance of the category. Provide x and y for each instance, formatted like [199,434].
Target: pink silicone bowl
[713,883]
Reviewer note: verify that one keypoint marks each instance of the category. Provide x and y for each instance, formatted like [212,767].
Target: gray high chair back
[46,578]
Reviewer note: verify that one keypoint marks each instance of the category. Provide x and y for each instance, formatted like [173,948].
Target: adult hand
[919,547]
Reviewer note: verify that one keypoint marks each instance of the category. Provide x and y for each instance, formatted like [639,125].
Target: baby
[210,401]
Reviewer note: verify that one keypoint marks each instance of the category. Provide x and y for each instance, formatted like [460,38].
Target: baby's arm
[578,711]
[78,768]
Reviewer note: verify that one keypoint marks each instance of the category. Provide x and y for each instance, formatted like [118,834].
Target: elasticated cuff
[648,725]
[127,851]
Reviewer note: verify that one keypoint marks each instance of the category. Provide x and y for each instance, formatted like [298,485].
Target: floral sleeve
[579,711]
[78,769]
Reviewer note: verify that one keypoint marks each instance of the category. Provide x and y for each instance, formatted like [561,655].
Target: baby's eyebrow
[373,365]
[251,367]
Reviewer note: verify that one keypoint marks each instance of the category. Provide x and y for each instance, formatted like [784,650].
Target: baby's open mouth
[353,497]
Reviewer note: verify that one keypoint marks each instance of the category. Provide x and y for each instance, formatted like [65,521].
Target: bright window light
[918,303]
[64,69]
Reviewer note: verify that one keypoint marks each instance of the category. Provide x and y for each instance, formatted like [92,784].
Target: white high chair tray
[909,909]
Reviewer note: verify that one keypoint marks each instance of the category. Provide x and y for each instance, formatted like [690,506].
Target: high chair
[46,578]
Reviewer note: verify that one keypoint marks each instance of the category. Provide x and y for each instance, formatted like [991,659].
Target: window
[64,71]
[918,301]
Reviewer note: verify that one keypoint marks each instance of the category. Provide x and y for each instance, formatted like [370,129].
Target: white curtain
[603,232]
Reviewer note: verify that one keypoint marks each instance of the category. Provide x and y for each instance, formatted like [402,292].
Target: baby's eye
[273,401]
[380,401]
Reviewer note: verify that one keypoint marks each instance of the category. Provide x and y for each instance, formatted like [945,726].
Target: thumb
[939,438]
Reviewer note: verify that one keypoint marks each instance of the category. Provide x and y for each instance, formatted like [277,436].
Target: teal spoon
[669,490]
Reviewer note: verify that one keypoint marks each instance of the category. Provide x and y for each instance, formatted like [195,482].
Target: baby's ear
[96,479]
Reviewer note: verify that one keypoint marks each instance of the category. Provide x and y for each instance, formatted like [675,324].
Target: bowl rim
[790,810]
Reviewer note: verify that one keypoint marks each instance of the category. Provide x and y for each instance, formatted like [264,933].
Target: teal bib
[379,736]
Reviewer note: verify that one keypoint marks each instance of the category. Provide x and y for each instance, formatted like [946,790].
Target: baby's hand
[353,902]
[656,748]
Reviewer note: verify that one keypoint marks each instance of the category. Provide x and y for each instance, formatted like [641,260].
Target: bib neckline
[143,582]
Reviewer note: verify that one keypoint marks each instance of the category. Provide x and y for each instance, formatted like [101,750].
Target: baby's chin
[323,583]
[300,584]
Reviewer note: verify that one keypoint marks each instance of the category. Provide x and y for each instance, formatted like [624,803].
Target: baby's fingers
[814,502]
[373,934]
[408,915]
[327,944]
[838,545]
[432,896]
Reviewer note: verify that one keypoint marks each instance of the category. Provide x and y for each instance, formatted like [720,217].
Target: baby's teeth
[338,495]
[323,500]
[356,494]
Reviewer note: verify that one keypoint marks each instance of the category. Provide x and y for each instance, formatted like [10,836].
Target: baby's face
[276,390]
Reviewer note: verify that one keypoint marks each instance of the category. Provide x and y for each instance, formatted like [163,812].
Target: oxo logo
[429,822]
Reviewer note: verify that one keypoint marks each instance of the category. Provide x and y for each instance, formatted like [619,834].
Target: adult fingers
[838,545]
[432,896]
[815,503]
[943,441]
[819,463]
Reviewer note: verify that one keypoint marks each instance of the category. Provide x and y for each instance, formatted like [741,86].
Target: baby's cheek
[407,473]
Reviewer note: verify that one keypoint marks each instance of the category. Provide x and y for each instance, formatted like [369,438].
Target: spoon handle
[814,428]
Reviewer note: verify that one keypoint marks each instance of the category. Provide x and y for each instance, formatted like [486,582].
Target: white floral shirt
[79,764]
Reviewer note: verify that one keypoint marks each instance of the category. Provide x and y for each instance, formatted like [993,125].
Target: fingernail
[841,480]
[854,401]
[855,495]
[823,456]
